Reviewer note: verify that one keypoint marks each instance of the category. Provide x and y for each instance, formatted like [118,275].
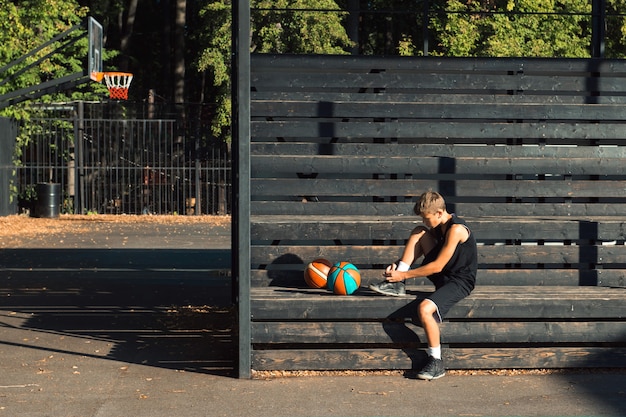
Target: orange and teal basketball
[344,278]
[316,273]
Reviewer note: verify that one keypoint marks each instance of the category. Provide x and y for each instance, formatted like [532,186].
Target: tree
[387,25]
[298,27]
[278,26]
[544,28]
[515,28]
[26,26]
[616,29]
[180,21]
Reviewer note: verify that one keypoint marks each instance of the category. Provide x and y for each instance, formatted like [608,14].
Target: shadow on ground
[165,308]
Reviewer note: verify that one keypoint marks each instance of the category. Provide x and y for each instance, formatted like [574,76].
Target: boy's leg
[431,312]
[427,311]
[419,244]
[434,366]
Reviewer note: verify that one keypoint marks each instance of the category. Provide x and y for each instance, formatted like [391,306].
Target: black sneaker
[395,289]
[432,370]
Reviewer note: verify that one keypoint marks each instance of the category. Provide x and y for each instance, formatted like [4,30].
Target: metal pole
[353,24]
[425,22]
[197,170]
[598,28]
[79,131]
[241,179]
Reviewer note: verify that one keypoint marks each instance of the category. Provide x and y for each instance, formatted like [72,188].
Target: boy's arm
[457,234]
[408,255]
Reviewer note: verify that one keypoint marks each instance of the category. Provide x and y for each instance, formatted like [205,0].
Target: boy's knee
[426,309]
[419,230]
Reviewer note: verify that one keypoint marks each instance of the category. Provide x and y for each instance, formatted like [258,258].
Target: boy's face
[431,219]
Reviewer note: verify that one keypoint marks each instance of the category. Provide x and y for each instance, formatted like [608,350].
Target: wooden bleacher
[531,152]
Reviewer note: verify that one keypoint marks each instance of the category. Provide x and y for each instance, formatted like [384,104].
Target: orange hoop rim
[117,83]
[99,76]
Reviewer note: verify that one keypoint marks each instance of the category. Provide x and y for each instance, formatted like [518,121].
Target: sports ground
[135,319]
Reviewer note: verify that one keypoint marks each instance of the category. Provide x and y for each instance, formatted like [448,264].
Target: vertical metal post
[598,28]
[354,17]
[241,178]
[197,192]
[79,131]
[425,23]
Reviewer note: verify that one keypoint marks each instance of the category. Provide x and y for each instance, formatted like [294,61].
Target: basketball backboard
[94,60]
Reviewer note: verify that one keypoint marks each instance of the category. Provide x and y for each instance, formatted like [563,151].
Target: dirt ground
[17,228]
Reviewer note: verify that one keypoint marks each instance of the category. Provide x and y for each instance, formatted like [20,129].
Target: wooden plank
[270,165]
[487,302]
[514,188]
[356,108]
[433,131]
[507,83]
[615,278]
[574,276]
[537,358]
[331,229]
[470,210]
[459,358]
[291,276]
[391,208]
[492,256]
[406,333]
[392,150]
[336,359]
[428,97]
[350,228]
[328,63]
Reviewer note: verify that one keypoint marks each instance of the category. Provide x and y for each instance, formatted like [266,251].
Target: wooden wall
[529,151]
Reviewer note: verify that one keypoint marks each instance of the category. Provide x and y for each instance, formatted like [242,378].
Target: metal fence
[8,132]
[109,161]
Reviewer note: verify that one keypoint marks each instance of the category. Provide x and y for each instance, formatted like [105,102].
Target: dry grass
[468,372]
[16,228]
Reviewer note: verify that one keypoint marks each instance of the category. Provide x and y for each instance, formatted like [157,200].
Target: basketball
[344,278]
[316,273]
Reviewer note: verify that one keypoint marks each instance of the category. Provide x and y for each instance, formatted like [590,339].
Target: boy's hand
[392,274]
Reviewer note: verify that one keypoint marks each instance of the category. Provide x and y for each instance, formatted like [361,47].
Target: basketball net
[117,83]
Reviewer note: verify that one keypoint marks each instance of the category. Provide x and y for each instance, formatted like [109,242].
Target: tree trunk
[179,51]
[126,31]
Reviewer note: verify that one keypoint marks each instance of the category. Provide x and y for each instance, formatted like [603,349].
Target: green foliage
[301,29]
[459,31]
[514,28]
[24,27]
[616,29]
[215,61]
[406,47]
[27,25]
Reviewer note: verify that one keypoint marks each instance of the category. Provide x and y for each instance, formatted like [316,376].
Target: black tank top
[463,265]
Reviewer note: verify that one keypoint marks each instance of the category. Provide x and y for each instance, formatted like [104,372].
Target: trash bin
[48,200]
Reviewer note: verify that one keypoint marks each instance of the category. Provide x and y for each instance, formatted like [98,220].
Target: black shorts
[448,295]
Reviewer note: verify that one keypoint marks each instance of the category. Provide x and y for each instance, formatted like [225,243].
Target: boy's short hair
[430,202]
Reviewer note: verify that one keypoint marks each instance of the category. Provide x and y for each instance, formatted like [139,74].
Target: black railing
[124,165]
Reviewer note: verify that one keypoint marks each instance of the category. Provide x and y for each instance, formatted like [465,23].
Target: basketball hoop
[117,83]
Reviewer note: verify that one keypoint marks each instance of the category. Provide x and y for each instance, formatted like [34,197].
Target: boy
[450,262]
